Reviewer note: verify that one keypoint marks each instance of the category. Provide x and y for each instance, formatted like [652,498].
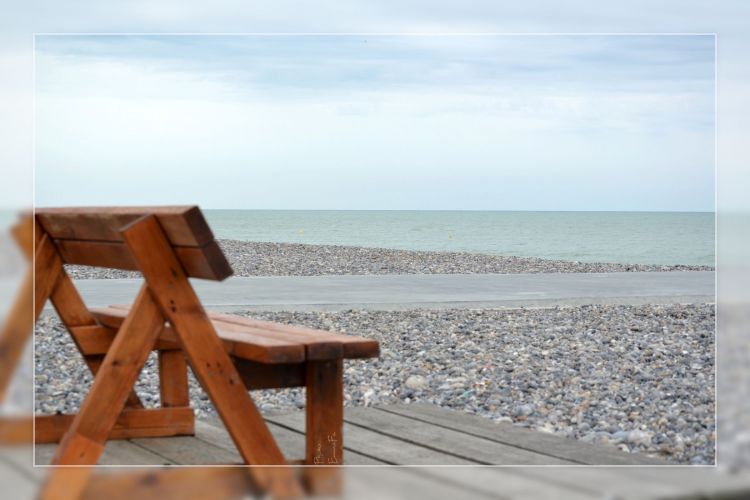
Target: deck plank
[504,482]
[603,482]
[405,484]
[567,449]
[377,446]
[408,435]
[187,450]
[292,443]
[693,481]
[115,453]
[449,441]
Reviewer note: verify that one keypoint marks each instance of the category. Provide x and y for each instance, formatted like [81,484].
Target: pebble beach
[292,259]
[640,378]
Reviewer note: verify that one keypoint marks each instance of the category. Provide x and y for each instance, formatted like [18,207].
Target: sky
[425,122]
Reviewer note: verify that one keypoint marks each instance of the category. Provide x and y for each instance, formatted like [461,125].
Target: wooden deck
[429,437]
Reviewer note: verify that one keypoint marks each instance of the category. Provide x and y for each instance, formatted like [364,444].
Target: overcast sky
[377,122]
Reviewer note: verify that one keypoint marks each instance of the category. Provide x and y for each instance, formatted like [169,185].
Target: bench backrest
[92,236]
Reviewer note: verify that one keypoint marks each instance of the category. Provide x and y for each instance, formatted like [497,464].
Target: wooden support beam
[173,379]
[208,359]
[16,430]
[47,268]
[16,332]
[324,426]
[66,483]
[130,424]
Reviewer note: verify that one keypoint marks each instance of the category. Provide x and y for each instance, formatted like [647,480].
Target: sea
[664,238]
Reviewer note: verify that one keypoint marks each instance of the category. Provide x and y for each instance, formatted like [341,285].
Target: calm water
[626,237]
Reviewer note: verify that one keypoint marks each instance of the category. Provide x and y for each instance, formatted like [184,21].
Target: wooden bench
[228,354]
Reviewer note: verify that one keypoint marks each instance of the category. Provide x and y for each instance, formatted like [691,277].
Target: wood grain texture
[315,347]
[136,423]
[467,446]
[268,342]
[16,332]
[183,225]
[567,449]
[47,268]
[173,379]
[242,343]
[210,363]
[205,262]
[115,378]
[324,426]
[351,345]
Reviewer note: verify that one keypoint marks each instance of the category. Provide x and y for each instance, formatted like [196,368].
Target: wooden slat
[189,451]
[291,442]
[604,482]
[317,344]
[206,262]
[408,483]
[158,422]
[567,449]
[378,446]
[262,348]
[450,441]
[314,349]
[183,225]
[353,346]
[210,363]
[505,483]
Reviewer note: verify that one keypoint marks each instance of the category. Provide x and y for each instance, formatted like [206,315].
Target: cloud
[271,111]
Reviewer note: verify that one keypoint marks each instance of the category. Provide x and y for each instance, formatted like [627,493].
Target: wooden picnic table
[228,354]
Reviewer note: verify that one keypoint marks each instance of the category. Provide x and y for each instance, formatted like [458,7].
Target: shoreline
[250,259]
[638,377]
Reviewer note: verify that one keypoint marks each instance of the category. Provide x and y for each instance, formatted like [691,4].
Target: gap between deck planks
[395,435]
[539,442]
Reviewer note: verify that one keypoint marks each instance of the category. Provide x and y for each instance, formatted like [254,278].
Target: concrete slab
[429,290]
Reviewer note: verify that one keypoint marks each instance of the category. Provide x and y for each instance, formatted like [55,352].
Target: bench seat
[252,339]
